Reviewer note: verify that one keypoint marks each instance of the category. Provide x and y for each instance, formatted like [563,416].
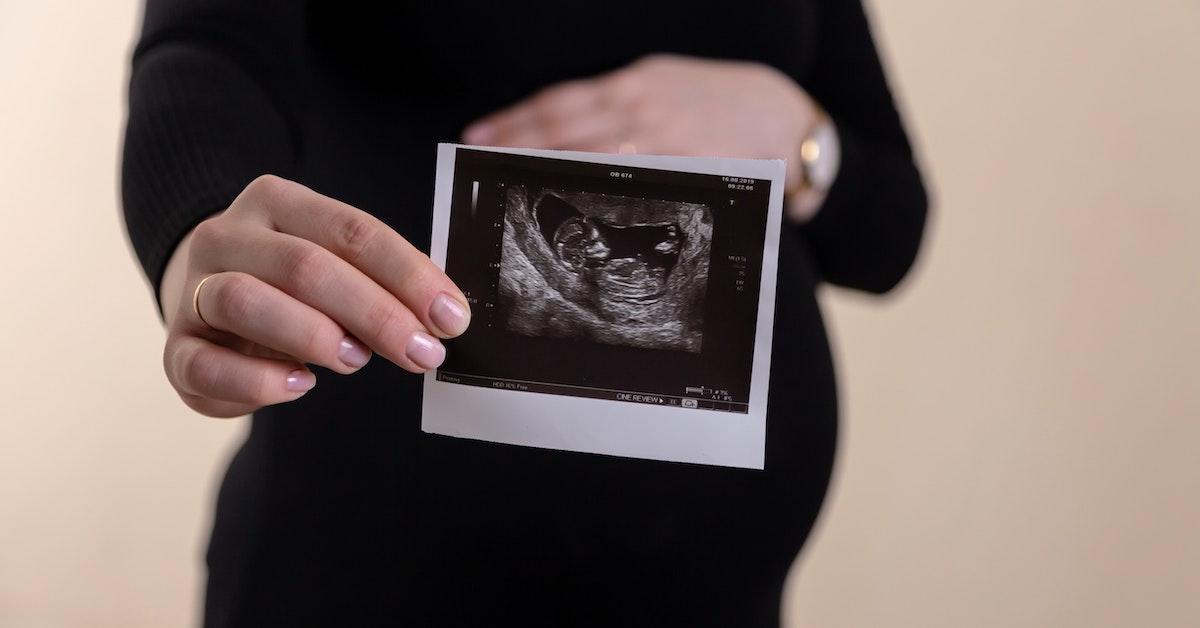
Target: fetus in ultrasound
[613,269]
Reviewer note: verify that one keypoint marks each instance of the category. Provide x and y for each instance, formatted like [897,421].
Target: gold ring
[196,300]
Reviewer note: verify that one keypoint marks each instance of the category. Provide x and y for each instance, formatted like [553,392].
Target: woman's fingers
[367,244]
[586,130]
[583,114]
[200,368]
[316,277]
[256,311]
[286,276]
[380,253]
[605,129]
[536,120]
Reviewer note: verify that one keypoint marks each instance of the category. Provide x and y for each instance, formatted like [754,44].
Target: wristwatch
[820,154]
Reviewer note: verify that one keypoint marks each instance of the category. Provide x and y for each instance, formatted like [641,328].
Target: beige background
[1021,432]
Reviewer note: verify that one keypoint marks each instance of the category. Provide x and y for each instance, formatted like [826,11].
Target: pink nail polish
[449,315]
[425,350]
[301,381]
[353,354]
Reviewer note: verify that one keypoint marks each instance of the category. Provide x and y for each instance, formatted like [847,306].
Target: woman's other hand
[289,277]
[669,105]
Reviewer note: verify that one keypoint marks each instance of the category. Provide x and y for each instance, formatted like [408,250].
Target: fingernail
[352,354]
[477,134]
[300,380]
[425,350]
[449,315]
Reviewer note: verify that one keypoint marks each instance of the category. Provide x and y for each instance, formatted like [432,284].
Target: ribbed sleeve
[204,120]
[868,231]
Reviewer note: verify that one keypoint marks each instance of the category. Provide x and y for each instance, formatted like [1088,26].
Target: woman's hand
[293,277]
[665,104]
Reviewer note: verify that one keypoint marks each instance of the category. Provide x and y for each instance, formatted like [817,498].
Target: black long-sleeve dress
[337,510]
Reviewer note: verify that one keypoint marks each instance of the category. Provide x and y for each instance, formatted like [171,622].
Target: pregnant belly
[346,478]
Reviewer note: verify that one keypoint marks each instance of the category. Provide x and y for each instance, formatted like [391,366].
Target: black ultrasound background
[473,262]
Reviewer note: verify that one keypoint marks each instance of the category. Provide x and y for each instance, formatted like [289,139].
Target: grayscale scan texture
[612,269]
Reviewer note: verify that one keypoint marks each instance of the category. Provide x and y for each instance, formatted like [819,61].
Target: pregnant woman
[277,182]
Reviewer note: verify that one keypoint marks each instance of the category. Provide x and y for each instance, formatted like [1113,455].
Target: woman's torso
[339,508]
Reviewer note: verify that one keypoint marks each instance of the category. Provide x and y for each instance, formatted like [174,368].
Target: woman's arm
[284,277]
[869,228]
[213,101]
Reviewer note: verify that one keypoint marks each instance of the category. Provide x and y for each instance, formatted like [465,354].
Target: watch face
[820,154]
[810,150]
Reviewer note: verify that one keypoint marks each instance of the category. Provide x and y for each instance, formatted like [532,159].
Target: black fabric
[338,510]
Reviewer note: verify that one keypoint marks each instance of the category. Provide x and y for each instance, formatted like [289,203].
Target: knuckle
[581,90]
[656,59]
[265,184]
[544,113]
[264,387]
[552,101]
[419,276]
[266,190]
[544,100]
[303,265]
[318,342]
[625,84]
[200,369]
[766,71]
[386,322]
[170,361]
[643,111]
[234,298]
[209,234]
[354,235]
[554,130]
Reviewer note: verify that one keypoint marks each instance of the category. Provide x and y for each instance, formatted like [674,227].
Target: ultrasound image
[612,269]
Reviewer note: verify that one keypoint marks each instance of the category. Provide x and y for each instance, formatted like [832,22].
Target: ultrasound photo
[612,269]
[622,304]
